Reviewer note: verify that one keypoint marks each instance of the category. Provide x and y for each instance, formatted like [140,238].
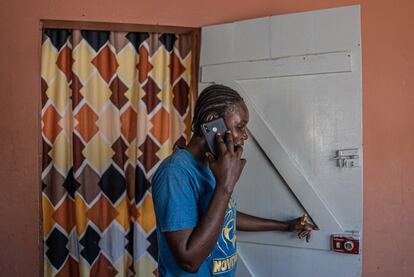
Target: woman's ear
[211,116]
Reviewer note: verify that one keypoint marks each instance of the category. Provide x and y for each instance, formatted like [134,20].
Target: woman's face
[236,121]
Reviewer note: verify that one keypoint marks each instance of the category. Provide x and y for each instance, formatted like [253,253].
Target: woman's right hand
[302,227]
[229,165]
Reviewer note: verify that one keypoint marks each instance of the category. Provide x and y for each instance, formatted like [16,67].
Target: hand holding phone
[227,163]
[210,129]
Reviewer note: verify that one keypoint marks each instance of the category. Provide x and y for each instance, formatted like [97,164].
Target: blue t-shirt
[182,188]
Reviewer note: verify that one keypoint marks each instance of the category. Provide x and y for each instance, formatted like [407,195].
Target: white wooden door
[300,75]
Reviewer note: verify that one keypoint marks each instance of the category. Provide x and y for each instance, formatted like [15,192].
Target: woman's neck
[197,147]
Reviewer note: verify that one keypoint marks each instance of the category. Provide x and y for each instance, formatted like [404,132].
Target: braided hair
[216,100]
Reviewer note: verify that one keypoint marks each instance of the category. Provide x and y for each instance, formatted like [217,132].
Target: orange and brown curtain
[114,104]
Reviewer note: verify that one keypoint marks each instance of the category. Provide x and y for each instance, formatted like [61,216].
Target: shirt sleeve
[175,200]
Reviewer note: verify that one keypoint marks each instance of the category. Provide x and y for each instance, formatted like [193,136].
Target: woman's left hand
[302,227]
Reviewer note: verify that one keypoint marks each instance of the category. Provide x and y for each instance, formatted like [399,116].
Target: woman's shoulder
[173,165]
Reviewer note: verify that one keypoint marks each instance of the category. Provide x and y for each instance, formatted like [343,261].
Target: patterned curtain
[114,104]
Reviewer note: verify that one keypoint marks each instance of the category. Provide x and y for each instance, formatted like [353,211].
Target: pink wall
[388,101]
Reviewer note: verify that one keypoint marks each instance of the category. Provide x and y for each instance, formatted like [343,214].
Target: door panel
[326,63]
[304,112]
[280,261]
[236,42]
[300,76]
[321,31]
[273,191]
[299,184]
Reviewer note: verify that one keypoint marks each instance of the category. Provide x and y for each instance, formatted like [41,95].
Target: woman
[196,215]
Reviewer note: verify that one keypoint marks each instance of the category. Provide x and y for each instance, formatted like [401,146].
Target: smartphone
[210,129]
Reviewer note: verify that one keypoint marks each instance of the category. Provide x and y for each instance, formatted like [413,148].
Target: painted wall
[388,109]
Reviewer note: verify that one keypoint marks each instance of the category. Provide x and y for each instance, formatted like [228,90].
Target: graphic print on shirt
[225,256]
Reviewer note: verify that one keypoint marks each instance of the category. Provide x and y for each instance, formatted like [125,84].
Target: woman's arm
[299,225]
[190,247]
[247,222]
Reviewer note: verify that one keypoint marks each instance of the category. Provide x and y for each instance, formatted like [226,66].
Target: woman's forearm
[247,222]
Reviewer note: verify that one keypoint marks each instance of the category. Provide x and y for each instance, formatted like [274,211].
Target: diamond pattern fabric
[59,92]
[113,243]
[106,64]
[57,39]
[113,106]
[56,248]
[89,243]
[100,219]
[65,215]
[146,216]
[86,120]
[51,128]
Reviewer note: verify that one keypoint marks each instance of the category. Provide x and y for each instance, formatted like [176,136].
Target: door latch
[347,158]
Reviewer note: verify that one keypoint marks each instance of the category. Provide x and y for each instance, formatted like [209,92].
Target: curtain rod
[110,26]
